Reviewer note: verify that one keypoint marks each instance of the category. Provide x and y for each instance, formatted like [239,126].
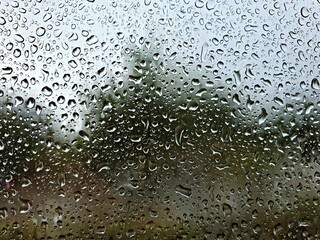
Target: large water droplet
[93,39]
[47,91]
[315,84]
[24,205]
[40,31]
[184,191]
[263,116]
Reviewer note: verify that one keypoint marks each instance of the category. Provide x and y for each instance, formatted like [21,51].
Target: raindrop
[93,39]
[25,182]
[309,107]
[263,116]
[304,12]
[18,101]
[73,63]
[1,145]
[40,31]
[19,38]
[66,77]
[184,191]
[24,205]
[102,72]
[84,135]
[47,17]
[227,209]
[210,5]
[3,213]
[57,32]
[147,2]
[76,51]
[7,70]
[30,102]
[178,133]
[2,21]
[102,167]
[315,84]
[236,99]
[17,53]
[277,230]
[62,179]
[199,3]
[47,91]
[279,101]
[33,48]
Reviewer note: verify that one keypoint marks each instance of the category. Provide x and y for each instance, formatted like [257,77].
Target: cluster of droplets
[179,120]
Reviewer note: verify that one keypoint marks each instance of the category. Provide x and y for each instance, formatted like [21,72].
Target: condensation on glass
[159,119]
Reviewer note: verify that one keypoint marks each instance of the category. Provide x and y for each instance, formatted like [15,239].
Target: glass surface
[159,119]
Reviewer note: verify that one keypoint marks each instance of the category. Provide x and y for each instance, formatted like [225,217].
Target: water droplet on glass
[3,213]
[277,230]
[73,63]
[1,145]
[76,51]
[199,3]
[315,84]
[184,191]
[25,182]
[263,116]
[2,21]
[30,102]
[84,135]
[47,17]
[24,205]
[93,39]
[304,12]
[178,133]
[19,38]
[18,101]
[47,91]
[227,209]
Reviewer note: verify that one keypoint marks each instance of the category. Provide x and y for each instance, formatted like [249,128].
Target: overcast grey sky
[270,51]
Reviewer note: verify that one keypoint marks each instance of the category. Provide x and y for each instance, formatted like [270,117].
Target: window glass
[171,119]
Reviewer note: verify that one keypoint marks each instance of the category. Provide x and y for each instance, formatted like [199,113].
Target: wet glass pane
[159,119]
